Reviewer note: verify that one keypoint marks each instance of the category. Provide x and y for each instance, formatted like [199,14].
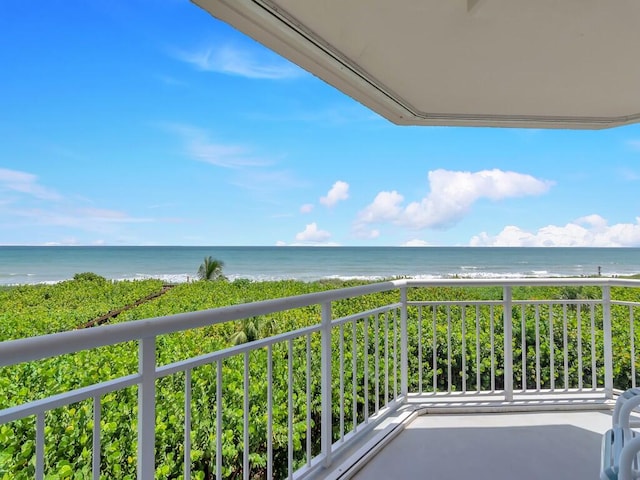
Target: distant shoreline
[193,279]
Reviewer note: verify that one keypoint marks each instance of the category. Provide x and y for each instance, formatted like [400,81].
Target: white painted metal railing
[360,367]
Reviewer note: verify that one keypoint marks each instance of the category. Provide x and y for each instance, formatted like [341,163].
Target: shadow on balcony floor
[497,447]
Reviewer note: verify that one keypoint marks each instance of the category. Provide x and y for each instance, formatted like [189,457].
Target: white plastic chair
[621,445]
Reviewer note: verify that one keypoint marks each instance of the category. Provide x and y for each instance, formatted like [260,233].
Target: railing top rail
[523,282]
[37,348]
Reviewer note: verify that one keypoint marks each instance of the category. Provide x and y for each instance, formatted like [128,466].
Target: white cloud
[629,174]
[339,191]
[415,243]
[228,156]
[109,216]
[634,144]
[385,207]
[232,60]
[41,207]
[88,219]
[27,183]
[201,148]
[306,208]
[267,182]
[311,234]
[452,193]
[589,231]
[362,231]
[253,173]
[169,80]
[374,233]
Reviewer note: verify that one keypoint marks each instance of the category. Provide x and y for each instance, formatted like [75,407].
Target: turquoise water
[19,265]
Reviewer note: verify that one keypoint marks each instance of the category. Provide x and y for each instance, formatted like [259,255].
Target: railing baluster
[308,347]
[579,334]
[508,344]
[493,348]
[269,411]
[365,354]
[478,379]
[96,443]
[245,419]
[632,336]
[420,349]
[434,348]
[219,419]
[552,361]
[594,371]
[395,355]
[354,377]
[523,345]
[376,337]
[386,358]
[404,355]
[448,349]
[463,320]
[537,319]
[187,423]
[341,382]
[608,351]
[147,409]
[40,446]
[290,408]
[565,346]
[326,379]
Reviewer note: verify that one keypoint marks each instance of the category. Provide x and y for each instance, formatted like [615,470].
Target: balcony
[503,381]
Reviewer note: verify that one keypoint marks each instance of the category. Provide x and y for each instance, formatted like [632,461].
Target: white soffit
[509,63]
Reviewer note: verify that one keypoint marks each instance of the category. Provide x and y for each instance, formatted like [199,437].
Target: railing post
[608,350]
[404,356]
[326,385]
[147,409]
[508,343]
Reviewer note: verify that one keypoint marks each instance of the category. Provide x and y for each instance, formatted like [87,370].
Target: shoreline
[173,279]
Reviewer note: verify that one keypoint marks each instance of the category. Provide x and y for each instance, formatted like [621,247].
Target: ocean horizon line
[585,247]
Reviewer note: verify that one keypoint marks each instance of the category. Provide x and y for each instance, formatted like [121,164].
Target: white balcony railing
[258,414]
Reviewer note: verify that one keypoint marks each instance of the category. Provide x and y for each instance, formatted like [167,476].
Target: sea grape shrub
[89,277]
[31,310]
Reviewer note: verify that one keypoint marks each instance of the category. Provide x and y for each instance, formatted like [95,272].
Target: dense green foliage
[463,361]
[31,310]
[90,277]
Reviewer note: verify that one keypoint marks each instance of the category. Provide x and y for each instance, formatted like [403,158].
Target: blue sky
[142,122]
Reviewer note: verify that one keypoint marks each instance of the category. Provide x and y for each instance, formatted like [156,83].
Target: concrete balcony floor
[561,441]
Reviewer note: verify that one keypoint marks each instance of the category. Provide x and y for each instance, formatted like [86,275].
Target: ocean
[29,265]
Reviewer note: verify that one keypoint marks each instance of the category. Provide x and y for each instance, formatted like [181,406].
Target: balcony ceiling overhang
[503,63]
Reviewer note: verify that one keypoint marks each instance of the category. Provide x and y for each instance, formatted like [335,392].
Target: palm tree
[251,329]
[211,269]
[576,294]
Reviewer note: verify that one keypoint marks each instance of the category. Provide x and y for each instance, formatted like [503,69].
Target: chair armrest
[625,404]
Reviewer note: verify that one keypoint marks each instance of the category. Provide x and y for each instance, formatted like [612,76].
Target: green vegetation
[89,277]
[30,310]
[34,310]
